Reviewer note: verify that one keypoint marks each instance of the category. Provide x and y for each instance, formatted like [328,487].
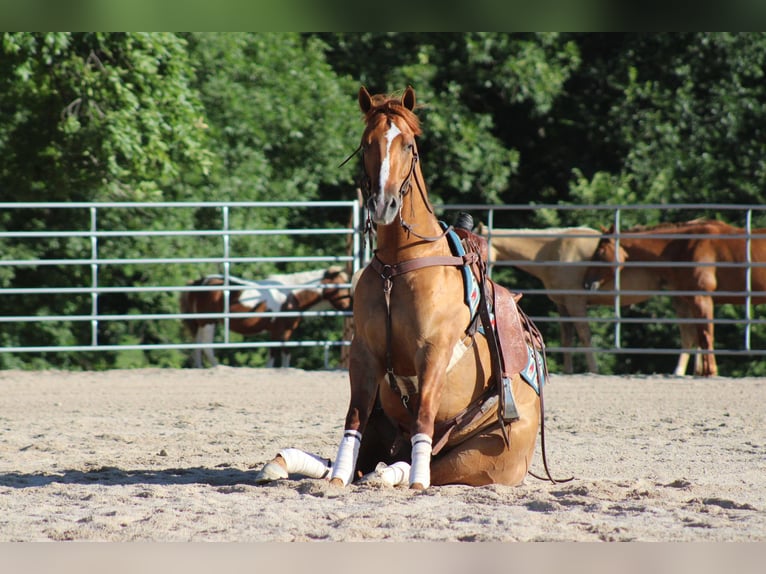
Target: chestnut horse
[415,364]
[561,246]
[269,295]
[718,253]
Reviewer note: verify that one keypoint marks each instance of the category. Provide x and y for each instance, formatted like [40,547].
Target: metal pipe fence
[96,253]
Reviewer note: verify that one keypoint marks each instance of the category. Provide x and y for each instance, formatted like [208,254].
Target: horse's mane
[676,225]
[392,106]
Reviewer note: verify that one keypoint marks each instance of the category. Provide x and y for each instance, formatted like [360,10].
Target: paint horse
[317,289]
[564,248]
[440,393]
[707,258]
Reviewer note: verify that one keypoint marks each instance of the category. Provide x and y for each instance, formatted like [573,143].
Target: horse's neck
[307,298]
[395,243]
[647,248]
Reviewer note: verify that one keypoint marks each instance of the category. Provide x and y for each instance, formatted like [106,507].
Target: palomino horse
[425,384]
[718,252]
[564,245]
[269,295]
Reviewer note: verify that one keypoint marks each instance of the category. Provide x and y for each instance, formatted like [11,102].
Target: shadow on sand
[113,476]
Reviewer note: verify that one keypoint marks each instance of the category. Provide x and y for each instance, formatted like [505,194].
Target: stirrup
[508,409]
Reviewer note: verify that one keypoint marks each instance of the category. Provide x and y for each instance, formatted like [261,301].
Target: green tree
[97,117]
[474,87]
[91,117]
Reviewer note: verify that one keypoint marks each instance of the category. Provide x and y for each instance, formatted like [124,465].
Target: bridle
[336,297]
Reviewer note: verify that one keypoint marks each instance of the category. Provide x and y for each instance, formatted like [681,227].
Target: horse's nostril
[392,204]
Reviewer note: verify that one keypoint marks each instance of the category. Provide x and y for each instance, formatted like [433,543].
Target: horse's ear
[408,99]
[607,230]
[365,100]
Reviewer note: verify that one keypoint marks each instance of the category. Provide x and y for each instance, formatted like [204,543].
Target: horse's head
[338,297]
[389,152]
[606,252]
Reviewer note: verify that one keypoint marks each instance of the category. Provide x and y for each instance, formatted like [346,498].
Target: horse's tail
[187,304]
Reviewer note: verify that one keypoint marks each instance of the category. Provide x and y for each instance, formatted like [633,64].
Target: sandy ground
[170,455]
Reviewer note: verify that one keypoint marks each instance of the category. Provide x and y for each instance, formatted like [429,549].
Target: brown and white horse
[707,259]
[318,288]
[563,248]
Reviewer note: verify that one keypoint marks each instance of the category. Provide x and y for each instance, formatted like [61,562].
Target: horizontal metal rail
[225,259]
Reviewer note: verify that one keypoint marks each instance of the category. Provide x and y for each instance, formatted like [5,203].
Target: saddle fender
[512,336]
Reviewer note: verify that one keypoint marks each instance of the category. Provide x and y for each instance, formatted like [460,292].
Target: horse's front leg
[432,376]
[206,336]
[567,337]
[364,377]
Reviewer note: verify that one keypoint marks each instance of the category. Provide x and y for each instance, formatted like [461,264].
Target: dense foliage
[509,119]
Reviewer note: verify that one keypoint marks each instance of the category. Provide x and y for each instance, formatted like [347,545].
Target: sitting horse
[718,253]
[446,372]
[269,295]
[565,245]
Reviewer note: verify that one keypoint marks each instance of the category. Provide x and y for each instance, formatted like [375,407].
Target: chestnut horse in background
[718,253]
[415,364]
[269,295]
[563,245]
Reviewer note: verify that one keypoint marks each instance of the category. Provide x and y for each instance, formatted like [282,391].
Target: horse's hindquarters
[484,458]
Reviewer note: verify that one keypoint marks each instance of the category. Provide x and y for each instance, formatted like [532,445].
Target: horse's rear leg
[703,309]
[485,458]
[383,442]
[481,460]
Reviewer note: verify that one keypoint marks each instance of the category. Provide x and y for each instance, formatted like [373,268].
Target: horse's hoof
[417,486]
[270,472]
[337,482]
[376,477]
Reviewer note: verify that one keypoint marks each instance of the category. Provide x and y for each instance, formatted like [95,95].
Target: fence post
[94,276]
[490,227]
[226,265]
[748,276]
[617,306]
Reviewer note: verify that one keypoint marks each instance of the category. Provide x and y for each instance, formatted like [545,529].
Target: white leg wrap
[396,474]
[421,460]
[348,451]
[304,463]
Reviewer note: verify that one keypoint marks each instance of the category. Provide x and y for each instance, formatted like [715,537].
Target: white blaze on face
[385,167]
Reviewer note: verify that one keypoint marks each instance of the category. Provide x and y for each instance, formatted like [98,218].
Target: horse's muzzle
[384,208]
[592,285]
